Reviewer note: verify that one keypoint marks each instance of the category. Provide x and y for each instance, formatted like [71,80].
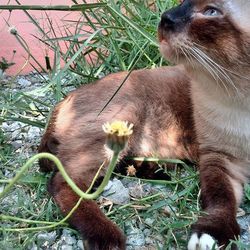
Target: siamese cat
[199,111]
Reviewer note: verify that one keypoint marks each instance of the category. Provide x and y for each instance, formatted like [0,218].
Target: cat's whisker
[209,68]
[187,55]
[226,69]
[217,67]
[201,60]
[205,64]
[177,56]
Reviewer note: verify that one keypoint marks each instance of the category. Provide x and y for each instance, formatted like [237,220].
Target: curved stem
[82,194]
[13,218]
[60,167]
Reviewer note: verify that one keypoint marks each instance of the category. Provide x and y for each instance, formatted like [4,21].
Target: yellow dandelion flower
[117,134]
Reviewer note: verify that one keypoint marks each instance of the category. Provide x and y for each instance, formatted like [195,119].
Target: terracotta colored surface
[18,19]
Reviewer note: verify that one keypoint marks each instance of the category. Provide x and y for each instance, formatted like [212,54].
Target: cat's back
[125,88]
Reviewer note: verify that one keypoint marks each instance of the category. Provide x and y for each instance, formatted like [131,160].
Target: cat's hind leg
[99,232]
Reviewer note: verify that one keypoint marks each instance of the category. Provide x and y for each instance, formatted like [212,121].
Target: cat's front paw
[204,242]
[108,238]
[214,228]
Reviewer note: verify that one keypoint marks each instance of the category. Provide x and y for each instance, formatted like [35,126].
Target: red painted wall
[18,19]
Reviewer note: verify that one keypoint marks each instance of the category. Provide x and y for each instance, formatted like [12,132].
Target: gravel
[24,137]
[244,222]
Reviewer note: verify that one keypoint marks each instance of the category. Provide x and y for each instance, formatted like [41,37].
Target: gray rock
[9,203]
[16,135]
[116,192]
[23,82]
[244,223]
[34,133]
[80,244]
[149,240]
[149,221]
[5,126]
[33,247]
[17,144]
[141,248]
[46,239]
[8,173]
[136,238]
[68,238]
[10,127]
[67,247]
[147,232]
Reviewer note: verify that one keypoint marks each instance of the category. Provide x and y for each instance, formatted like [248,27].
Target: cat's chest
[227,128]
[234,122]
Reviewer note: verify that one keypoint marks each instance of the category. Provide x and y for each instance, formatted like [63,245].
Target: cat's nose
[177,18]
[168,20]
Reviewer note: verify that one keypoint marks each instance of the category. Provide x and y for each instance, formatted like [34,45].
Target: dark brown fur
[173,117]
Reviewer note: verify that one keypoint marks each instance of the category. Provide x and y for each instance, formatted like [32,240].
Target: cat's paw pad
[205,242]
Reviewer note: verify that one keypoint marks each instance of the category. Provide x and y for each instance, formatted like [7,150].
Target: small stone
[10,127]
[33,247]
[33,133]
[149,221]
[23,82]
[116,192]
[8,173]
[67,247]
[244,222]
[136,238]
[147,232]
[240,212]
[46,239]
[101,75]
[108,186]
[66,232]
[141,226]
[17,144]
[68,238]
[149,241]
[5,126]
[16,135]
[80,244]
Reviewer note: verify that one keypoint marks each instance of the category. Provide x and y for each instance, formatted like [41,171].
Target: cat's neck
[221,116]
[232,94]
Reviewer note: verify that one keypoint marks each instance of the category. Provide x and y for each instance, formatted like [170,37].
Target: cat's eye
[213,12]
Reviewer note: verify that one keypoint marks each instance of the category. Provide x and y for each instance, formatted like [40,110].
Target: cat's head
[206,33]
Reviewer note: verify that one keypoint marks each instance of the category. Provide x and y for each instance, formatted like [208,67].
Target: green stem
[75,7]
[56,224]
[161,182]
[13,218]
[60,167]
[68,180]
